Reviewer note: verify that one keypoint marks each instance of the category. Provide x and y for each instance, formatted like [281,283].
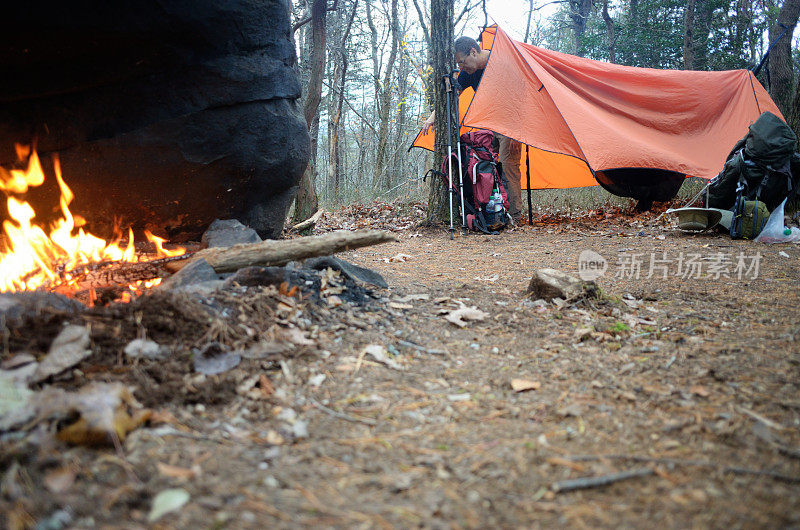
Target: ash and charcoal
[318,278]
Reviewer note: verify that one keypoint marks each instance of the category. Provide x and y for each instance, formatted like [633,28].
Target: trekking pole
[448,89]
[458,143]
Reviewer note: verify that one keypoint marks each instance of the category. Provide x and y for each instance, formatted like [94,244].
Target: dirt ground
[684,370]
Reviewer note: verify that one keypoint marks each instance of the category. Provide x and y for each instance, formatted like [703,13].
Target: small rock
[195,272]
[228,232]
[144,348]
[300,429]
[548,284]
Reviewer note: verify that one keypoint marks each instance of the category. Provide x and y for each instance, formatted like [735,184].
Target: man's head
[469,55]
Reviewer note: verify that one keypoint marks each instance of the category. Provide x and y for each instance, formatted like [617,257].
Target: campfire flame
[33,259]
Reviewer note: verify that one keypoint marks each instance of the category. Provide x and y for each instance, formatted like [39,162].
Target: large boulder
[166,114]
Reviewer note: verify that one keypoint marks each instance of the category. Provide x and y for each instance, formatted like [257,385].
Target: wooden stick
[277,253]
[791,479]
[311,221]
[602,480]
[342,415]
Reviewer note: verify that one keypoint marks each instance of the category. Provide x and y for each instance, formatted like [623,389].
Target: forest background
[369,71]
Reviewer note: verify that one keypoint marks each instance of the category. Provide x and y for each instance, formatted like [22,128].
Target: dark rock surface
[197,271]
[168,114]
[228,232]
[17,308]
[353,272]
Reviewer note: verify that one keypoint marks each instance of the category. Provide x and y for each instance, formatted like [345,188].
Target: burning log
[111,275]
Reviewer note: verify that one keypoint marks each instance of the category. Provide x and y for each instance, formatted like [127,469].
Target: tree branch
[301,23]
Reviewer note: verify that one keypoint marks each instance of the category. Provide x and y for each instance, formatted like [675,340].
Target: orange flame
[32,258]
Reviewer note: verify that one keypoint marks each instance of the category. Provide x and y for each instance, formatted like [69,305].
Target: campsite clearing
[680,390]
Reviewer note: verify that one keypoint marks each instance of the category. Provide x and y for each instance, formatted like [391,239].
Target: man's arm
[428,125]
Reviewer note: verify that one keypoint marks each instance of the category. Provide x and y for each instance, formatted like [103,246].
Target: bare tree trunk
[610,33]
[794,117]
[688,36]
[442,61]
[334,142]
[400,143]
[703,11]
[579,13]
[780,60]
[306,202]
[528,25]
[384,96]
[423,24]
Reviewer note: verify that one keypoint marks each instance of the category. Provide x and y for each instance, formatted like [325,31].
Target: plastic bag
[775,231]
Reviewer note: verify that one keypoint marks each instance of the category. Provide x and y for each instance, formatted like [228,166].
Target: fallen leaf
[379,353]
[167,501]
[700,391]
[213,359]
[461,316]
[16,361]
[181,473]
[144,348]
[316,380]
[521,385]
[68,349]
[398,258]
[412,298]
[582,333]
[295,336]
[265,386]
[103,411]
[557,461]
[15,407]
[60,480]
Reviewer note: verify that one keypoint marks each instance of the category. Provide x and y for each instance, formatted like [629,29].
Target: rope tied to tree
[765,59]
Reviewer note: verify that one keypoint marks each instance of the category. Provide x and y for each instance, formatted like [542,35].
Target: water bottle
[498,200]
[491,204]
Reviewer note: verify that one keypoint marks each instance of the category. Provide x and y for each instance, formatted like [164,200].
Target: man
[472,61]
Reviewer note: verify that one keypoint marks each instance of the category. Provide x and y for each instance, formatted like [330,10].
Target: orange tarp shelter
[578,116]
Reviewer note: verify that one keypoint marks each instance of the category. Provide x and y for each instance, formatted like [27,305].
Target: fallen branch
[791,479]
[342,415]
[113,274]
[273,253]
[602,480]
[311,221]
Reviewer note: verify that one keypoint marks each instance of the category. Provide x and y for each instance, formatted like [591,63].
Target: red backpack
[485,197]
